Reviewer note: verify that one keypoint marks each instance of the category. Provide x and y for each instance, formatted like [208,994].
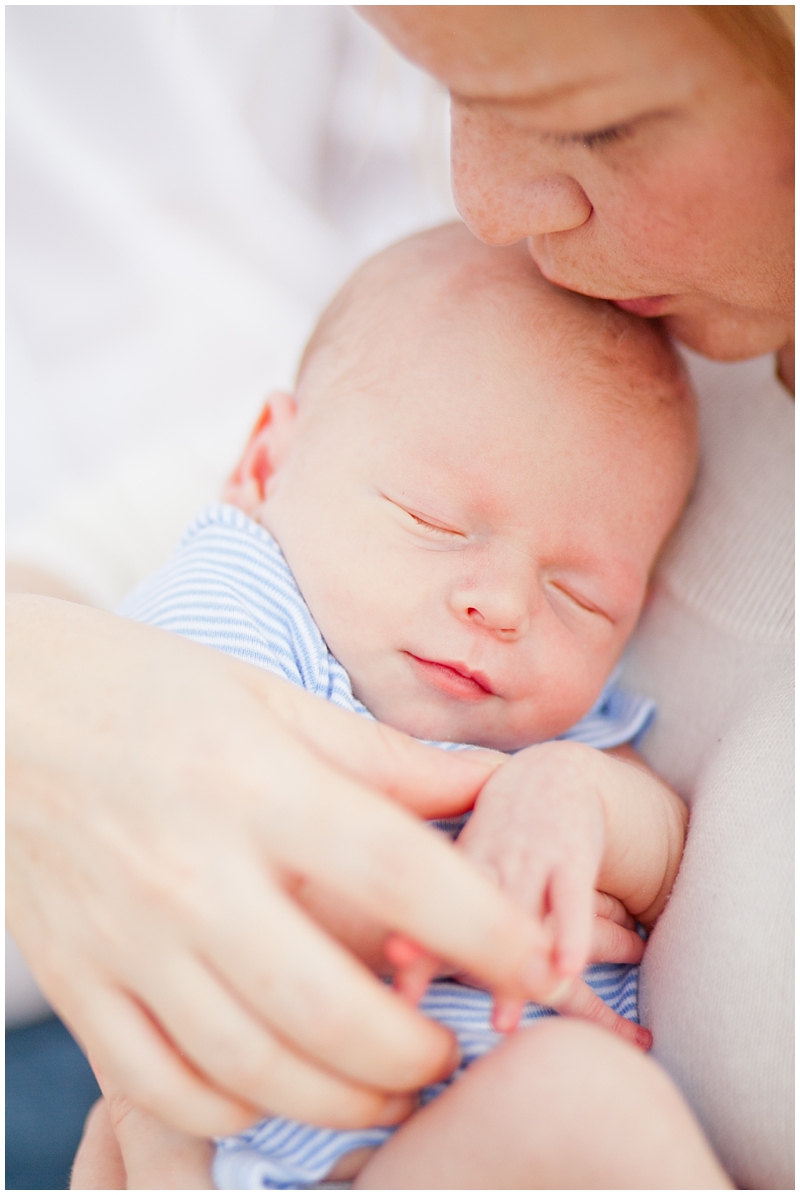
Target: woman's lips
[648,305]
[456,680]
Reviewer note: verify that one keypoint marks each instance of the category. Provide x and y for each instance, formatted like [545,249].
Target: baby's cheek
[556,706]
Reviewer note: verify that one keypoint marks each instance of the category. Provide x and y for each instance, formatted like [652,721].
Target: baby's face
[472,529]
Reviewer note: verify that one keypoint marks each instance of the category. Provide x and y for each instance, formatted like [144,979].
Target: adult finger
[258,1061]
[158,1157]
[242,1056]
[571,903]
[377,855]
[136,1057]
[98,1164]
[156,1076]
[429,781]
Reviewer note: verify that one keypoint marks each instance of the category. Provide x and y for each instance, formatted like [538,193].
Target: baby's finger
[402,952]
[608,906]
[506,1013]
[580,1001]
[412,982]
[613,943]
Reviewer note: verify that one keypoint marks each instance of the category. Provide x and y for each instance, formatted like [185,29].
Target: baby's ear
[269,446]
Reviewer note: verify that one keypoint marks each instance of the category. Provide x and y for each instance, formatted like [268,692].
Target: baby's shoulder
[228,586]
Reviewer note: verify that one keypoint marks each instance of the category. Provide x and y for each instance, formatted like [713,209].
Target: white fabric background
[186,188]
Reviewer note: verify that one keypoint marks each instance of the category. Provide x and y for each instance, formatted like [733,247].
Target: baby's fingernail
[396,1109]
[644,1038]
[506,1015]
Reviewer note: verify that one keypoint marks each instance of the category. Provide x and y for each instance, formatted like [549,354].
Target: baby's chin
[473,727]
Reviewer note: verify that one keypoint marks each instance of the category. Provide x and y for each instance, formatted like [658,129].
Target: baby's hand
[582,839]
[538,828]
[576,1000]
[416,968]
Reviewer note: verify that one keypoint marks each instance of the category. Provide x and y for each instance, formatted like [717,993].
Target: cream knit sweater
[715,650]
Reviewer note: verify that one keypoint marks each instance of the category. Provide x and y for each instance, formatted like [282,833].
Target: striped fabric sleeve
[617,717]
[228,586]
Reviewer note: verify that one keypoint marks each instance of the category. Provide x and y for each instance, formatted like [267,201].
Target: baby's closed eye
[436,528]
[576,599]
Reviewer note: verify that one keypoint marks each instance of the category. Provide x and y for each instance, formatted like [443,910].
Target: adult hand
[164,800]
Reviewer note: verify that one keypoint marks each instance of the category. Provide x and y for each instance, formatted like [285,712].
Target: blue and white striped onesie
[228,586]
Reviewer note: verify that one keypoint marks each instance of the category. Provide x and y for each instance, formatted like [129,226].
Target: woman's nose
[503,192]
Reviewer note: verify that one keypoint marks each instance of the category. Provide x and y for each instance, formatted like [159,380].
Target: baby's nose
[503,608]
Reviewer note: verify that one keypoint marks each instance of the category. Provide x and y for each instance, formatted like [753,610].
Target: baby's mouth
[453,679]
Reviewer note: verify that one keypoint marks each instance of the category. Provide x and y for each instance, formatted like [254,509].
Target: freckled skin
[690,195]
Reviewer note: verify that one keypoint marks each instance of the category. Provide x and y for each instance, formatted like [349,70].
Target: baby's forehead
[452,278]
[443,302]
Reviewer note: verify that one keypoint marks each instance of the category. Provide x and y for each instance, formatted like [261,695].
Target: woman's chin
[730,334]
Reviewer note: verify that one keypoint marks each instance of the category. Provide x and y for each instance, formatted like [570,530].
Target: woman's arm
[25,578]
[163,802]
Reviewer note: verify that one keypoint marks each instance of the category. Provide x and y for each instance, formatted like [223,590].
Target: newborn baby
[450,527]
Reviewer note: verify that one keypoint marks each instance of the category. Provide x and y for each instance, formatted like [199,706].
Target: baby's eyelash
[431,526]
[581,602]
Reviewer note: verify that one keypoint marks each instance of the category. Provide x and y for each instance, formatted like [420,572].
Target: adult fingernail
[558,993]
[451,1062]
[397,1108]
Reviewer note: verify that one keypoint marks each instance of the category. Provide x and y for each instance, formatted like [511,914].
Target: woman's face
[641,156]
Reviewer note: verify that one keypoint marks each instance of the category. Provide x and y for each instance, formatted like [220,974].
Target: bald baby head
[444,286]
